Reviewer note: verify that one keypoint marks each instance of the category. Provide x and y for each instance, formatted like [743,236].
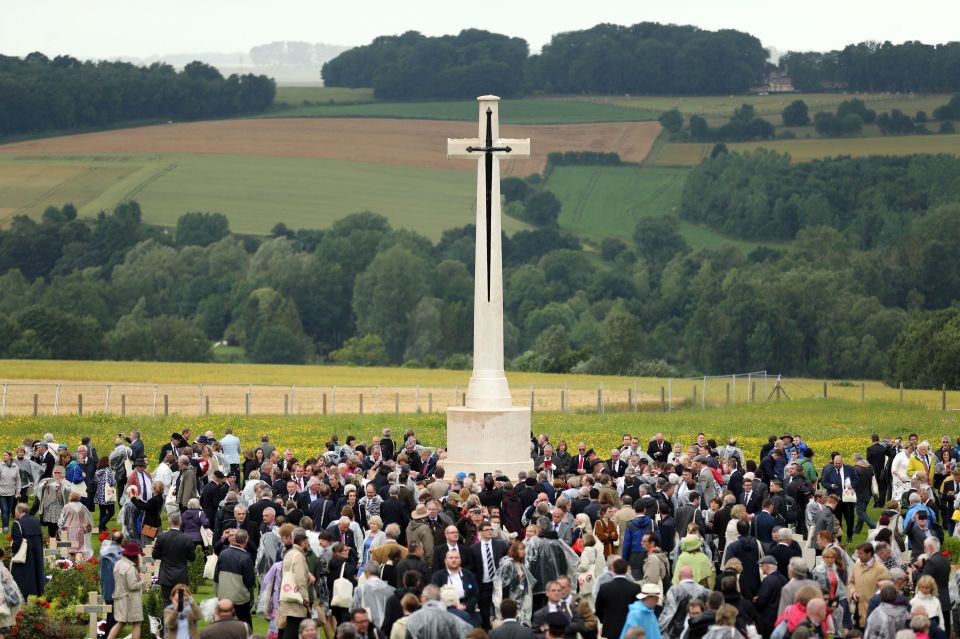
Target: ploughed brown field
[403,142]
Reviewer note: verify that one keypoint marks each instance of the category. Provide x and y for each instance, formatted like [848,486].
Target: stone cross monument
[488,433]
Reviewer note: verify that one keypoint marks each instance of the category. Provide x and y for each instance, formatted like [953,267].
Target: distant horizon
[115,30]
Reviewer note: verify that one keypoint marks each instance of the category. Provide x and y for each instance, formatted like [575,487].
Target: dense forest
[875,66]
[40,94]
[412,65]
[822,305]
[872,201]
[640,59]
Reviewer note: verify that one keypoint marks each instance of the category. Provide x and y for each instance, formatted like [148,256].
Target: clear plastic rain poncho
[548,559]
[433,621]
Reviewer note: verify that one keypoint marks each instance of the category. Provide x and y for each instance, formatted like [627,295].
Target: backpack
[74,473]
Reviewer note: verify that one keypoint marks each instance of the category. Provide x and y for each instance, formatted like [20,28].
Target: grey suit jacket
[511,630]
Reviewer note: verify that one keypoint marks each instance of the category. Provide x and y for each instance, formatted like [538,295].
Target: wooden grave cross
[149,567]
[57,549]
[93,607]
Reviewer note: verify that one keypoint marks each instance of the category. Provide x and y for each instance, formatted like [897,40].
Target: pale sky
[112,28]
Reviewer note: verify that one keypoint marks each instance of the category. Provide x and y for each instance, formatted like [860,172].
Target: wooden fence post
[563,401]
[728,394]
[824,390]
[166,405]
[901,392]
[324,403]
[123,405]
[599,401]
[663,398]
[943,401]
[248,404]
[286,405]
[863,391]
[630,399]
[206,404]
[36,405]
[694,395]
[396,404]
[430,403]
[753,392]
[531,399]
[80,404]
[361,404]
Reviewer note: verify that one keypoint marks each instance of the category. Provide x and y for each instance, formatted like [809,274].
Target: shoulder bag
[342,595]
[21,555]
[288,587]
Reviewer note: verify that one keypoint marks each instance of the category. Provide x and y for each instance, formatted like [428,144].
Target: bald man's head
[686,572]
[817,610]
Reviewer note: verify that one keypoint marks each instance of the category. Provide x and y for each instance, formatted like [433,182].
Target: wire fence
[24,398]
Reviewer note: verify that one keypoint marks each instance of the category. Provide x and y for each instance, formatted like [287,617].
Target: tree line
[412,65]
[42,94]
[641,59]
[113,287]
[876,66]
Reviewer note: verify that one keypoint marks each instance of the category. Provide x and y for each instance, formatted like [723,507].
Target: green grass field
[601,202]
[254,192]
[773,105]
[829,425]
[521,111]
[294,96]
[802,150]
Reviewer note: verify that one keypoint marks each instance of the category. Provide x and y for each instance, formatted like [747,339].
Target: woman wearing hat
[693,556]
[127,597]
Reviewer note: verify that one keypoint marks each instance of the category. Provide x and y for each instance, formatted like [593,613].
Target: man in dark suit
[485,556]
[510,628]
[613,600]
[413,562]
[764,523]
[580,463]
[174,550]
[615,466]
[255,511]
[547,463]
[462,579]
[451,542]
[877,458]
[735,482]
[659,449]
[212,495]
[938,567]
[750,497]
[918,530]
[835,478]
[768,595]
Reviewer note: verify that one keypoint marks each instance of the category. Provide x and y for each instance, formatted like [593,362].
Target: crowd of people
[376,540]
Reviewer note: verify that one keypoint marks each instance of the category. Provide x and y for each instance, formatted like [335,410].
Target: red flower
[945,553]
[9,538]
[63,594]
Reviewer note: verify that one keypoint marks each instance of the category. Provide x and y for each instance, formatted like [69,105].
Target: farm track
[51,192]
[150,180]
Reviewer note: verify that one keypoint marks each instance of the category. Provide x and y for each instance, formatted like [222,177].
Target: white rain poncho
[433,621]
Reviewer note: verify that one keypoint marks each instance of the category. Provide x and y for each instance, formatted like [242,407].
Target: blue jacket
[639,616]
[831,476]
[765,523]
[633,538]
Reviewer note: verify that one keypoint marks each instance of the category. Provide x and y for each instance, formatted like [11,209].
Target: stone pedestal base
[484,440]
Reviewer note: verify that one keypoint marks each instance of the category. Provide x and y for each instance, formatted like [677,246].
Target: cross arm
[457,147]
[517,146]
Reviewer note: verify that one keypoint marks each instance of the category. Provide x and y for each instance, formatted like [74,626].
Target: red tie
[581,463]
[343,539]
